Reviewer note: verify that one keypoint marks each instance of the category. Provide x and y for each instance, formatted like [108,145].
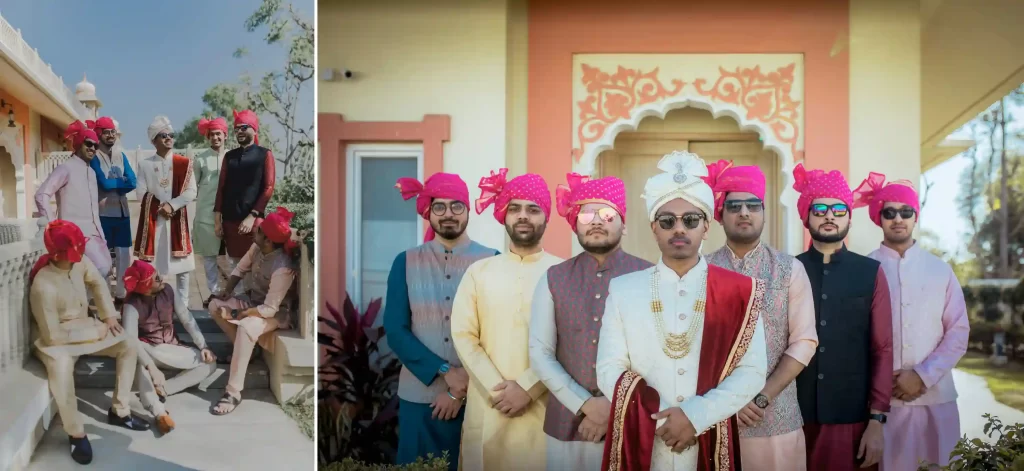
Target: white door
[381,224]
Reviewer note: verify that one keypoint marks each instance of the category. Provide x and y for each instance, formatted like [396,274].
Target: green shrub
[429,464]
[1007,453]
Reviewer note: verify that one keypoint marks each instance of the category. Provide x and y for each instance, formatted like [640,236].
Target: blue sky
[150,58]
[940,213]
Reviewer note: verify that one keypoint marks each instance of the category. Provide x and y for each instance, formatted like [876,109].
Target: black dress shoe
[81,450]
[130,422]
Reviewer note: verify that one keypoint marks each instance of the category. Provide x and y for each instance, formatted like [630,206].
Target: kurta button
[821,376]
[597,296]
[825,272]
[599,275]
[446,339]
[682,317]
[447,298]
[824,296]
[679,398]
[594,341]
[445,317]
[595,318]
[821,349]
[680,371]
[823,322]
[448,277]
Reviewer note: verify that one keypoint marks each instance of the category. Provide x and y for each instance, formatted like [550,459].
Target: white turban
[160,124]
[681,178]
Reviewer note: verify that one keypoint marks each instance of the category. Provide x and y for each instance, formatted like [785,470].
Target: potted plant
[1007,453]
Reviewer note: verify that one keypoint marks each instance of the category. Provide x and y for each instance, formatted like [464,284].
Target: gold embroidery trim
[622,393]
[147,201]
[186,239]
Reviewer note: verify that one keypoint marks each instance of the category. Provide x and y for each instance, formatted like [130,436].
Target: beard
[529,239]
[602,247]
[244,139]
[829,238]
[448,232]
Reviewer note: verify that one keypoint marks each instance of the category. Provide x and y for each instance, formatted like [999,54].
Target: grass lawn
[1006,382]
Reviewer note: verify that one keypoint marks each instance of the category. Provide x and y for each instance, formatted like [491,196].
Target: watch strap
[880,418]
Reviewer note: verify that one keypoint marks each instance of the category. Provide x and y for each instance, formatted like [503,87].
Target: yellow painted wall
[885,100]
[413,58]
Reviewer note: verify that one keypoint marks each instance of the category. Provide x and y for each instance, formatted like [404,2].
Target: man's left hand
[246,226]
[908,385]
[166,210]
[511,400]
[208,356]
[251,312]
[750,415]
[872,444]
[677,432]
[113,326]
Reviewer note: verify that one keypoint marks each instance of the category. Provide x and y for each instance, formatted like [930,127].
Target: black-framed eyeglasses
[838,210]
[439,208]
[109,132]
[242,128]
[904,213]
[690,220]
[89,144]
[753,205]
[165,135]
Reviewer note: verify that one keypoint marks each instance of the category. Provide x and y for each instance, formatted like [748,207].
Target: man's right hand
[458,381]
[102,330]
[444,407]
[218,230]
[224,295]
[750,415]
[157,376]
[592,431]
[597,409]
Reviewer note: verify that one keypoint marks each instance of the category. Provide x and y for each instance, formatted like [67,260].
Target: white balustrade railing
[20,247]
[28,58]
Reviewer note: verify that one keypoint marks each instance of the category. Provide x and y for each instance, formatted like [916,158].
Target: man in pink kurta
[929,331]
[771,433]
[74,184]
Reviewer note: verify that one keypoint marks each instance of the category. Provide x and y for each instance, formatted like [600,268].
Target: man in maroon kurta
[566,318]
[844,391]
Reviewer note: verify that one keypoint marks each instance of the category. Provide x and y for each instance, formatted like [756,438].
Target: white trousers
[240,287]
[178,357]
[212,273]
[573,456]
[123,260]
[181,286]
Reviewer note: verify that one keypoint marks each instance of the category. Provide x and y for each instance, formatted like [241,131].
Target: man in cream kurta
[503,428]
[633,340]
[154,171]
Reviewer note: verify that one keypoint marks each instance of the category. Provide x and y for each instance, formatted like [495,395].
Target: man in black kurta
[844,391]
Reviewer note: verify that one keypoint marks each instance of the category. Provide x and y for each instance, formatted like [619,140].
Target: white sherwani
[630,341]
[151,170]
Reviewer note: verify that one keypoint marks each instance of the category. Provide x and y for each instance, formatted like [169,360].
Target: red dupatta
[733,306]
[181,240]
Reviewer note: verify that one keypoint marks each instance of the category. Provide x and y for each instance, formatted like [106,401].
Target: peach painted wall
[21,116]
[557,30]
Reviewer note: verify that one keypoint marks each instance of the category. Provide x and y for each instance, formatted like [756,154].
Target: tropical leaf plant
[358,414]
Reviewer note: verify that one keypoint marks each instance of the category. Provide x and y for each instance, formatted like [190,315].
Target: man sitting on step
[65,331]
[147,311]
[269,267]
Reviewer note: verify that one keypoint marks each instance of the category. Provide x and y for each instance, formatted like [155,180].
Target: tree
[219,101]
[279,93]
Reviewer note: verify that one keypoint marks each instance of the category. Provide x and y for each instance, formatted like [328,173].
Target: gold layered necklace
[677,346]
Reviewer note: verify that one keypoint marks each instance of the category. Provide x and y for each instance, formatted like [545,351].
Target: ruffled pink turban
[277,227]
[64,241]
[817,184]
[139,277]
[581,190]
[249,118]
[496,190]
[724,178]
[78,132]
[101,124]
[439,185]
[873,192]
[207,125]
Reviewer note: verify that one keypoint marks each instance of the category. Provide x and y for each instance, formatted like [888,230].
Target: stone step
[99,372]
[203,320]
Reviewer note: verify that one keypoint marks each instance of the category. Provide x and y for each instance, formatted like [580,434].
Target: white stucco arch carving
[13,141]
[695,91]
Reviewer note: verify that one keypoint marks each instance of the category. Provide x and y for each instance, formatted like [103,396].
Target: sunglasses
[838,210]
[439,208]
[164,135]
[736,206]
[690,220]
[605,214]
[904,213]
[242,128]
[90,145]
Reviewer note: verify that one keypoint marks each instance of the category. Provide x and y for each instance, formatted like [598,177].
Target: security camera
[347,74]
[333,75]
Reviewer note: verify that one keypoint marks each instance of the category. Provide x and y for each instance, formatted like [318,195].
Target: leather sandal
[226,399]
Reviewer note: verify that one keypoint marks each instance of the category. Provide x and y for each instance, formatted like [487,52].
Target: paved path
[976,400]
[256,436]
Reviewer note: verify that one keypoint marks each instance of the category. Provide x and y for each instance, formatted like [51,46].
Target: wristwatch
[879,417]
[254,213]
[444,369]
[761,401]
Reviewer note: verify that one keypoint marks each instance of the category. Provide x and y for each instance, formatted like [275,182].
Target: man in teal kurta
[205,241]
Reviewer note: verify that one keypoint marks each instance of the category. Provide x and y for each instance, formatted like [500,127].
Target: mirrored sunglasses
[604,214]
[838,210]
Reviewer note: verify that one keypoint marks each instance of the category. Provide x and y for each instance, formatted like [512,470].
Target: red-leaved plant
[358,388]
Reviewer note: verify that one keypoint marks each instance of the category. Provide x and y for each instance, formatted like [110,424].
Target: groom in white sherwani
[682,345]
[166,185]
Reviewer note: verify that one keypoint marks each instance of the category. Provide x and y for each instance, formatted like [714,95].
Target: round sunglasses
[689,220]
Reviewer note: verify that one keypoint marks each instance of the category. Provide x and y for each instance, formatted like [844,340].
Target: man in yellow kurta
[64,331]
[503,429]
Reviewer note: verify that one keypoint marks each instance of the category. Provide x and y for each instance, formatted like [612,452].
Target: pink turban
[495,189]
[817,184]
[207,125]
[277,227]
[77,133]
[582,190]
[439,185]
[101,124]
[64,241]
[873,192]
[723,179]
[139,277]
[249,118]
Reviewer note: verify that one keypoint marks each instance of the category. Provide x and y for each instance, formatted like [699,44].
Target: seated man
[60,306]
[147,311]
[269,267]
